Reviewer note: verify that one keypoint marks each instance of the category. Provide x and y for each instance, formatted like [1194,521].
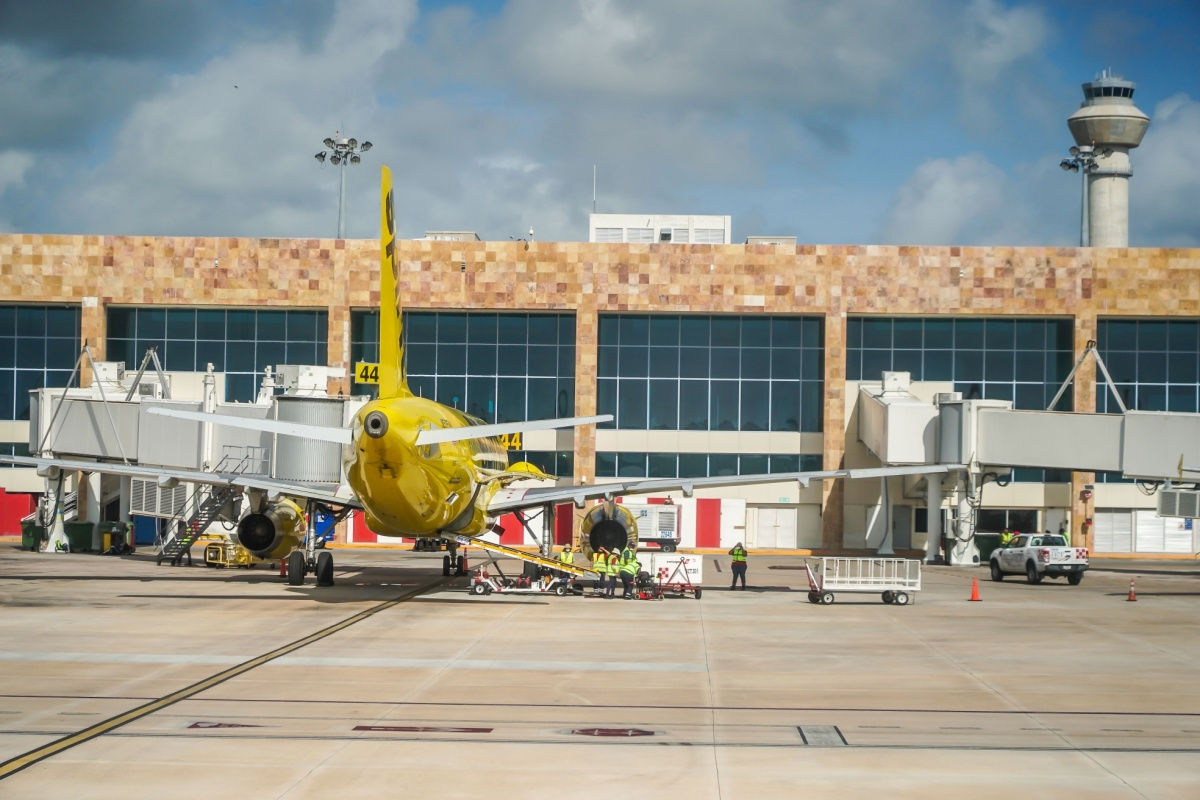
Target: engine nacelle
[274,532]
[609,525]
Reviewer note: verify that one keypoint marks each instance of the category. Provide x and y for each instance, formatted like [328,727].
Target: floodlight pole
[1083,161]
[341,152]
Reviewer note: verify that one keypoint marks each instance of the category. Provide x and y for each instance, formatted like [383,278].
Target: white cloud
[964,200]
[13,167]
[998,56]
[1164,192]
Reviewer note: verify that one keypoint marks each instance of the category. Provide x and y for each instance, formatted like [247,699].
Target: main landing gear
[301,562]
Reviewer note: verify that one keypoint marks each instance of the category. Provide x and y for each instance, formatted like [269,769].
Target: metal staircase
[179,545]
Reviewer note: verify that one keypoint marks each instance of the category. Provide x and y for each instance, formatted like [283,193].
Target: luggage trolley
[894,578]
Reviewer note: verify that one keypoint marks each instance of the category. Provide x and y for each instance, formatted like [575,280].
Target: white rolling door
[1114,532]
[1150,532]
[1179,535]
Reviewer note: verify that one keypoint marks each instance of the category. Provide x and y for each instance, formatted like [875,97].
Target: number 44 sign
[366,373]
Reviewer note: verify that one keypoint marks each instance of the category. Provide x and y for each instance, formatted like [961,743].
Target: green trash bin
[32,535]
[79,535]
[986,542]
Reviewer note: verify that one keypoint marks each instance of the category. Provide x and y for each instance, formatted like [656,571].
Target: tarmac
[130,680]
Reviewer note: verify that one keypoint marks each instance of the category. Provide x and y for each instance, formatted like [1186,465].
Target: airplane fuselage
[419,490]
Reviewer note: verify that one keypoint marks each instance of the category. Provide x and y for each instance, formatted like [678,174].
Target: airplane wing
[165,474]
[517,499]
[325,434]
[437,435]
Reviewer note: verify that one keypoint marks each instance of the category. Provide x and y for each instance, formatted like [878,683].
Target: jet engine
[609,525]
[274,532]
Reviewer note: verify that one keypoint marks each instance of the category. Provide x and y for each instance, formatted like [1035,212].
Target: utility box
[666,567]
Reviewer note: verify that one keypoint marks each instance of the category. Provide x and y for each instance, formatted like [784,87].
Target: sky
[933,122]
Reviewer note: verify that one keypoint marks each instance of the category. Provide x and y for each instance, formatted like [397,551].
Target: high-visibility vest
[566,556]
[630,565]
[598,562]
[614,562]
[628,553]
[738,554]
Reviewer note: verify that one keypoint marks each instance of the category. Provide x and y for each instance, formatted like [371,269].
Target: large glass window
[1022,360]
[730,373]
[1155,364]
[241,342]
[700,465]
[39,346]
[499,367]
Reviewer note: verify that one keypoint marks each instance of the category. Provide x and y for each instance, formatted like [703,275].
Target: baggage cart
[677,574]
[894,578]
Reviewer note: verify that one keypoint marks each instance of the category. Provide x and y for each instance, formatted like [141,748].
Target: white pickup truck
[1040,556]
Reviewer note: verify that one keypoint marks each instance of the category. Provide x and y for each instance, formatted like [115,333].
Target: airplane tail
[392,380]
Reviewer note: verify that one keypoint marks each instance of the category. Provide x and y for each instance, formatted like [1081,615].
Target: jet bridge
[991,438]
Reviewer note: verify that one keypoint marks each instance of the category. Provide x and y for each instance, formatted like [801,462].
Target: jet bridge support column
[933,515]
[963,551]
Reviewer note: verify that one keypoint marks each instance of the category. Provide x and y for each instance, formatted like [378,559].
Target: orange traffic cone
[974,598]
[1132,594]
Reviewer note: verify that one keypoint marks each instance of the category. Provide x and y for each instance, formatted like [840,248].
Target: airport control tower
[1105,128]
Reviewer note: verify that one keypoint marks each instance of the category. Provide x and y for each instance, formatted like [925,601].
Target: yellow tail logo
[392,381]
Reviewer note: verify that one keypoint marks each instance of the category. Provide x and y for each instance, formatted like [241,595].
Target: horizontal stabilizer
[318,432]
[439,435]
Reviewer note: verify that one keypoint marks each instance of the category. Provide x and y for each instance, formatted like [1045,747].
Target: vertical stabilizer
[392,381]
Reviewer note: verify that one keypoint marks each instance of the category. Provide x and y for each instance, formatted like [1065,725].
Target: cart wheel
[889,596]
[901,598]
[827,598]
[698,592]
[560,590]
[814,598]
[479,588]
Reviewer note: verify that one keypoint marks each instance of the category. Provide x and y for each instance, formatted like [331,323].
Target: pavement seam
[28,759]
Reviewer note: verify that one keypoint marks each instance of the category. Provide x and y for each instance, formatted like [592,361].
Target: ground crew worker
[613,567]
[1006,537]
[567,556]
[600,567]
[738,566]
[629,571]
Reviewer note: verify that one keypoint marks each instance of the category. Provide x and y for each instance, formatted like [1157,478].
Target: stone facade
[589,279]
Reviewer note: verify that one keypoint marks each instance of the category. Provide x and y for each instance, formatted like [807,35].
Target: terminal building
[713,358]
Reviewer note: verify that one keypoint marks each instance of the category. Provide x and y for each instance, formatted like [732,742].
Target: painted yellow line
[14,765]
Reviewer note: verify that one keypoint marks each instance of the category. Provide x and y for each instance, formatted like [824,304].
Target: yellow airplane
[417,468]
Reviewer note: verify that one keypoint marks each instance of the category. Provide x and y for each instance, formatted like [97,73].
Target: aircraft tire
[324,568]
[460,565]
[445,566]
[295,568]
